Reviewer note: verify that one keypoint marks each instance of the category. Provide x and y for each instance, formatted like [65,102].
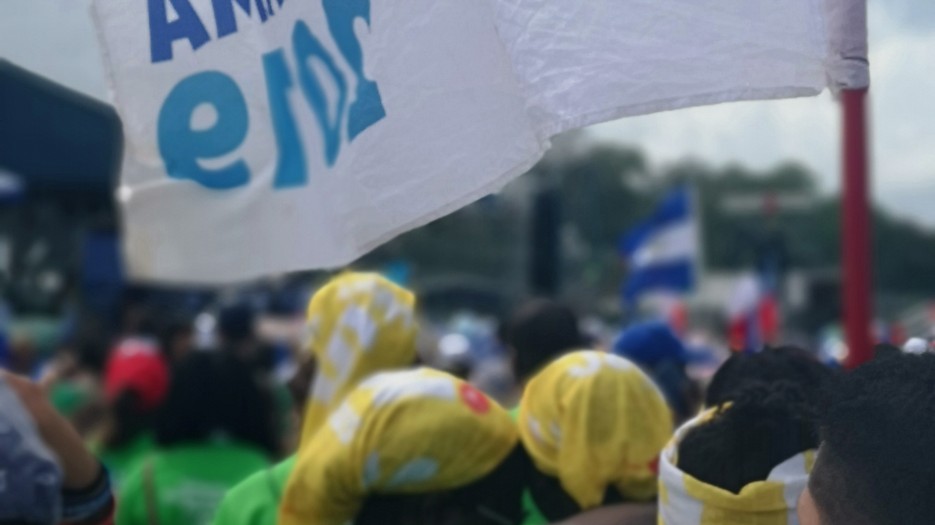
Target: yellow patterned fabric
[593,420]
[358,324]
[403,432]
[684,500]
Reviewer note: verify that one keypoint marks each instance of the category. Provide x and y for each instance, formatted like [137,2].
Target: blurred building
[60,152]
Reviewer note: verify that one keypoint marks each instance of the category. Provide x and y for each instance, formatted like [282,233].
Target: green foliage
[484,239]
[600,193]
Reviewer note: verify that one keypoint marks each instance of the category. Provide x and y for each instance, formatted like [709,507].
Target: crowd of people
[364,430]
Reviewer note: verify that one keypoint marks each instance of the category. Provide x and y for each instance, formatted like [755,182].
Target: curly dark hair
[785,363]
[877,460]
[885,351]
[764,425]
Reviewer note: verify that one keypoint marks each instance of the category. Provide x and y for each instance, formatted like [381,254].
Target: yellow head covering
[358,324]
[684,500]
[592,420]
[399,432]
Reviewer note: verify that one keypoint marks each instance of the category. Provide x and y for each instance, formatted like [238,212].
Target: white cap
[916,345]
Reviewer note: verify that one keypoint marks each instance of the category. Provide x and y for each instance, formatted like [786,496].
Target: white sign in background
[274,135]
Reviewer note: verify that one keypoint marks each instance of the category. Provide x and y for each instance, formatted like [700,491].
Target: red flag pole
[856,230]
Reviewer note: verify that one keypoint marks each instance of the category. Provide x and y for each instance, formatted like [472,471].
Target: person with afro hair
[876,465]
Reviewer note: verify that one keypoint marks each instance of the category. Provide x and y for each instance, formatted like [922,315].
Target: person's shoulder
[284,468]
[237,504]
[251,500]
[237,462]
[249,488]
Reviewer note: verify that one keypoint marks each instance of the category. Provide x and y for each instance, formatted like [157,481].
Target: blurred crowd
[355,415]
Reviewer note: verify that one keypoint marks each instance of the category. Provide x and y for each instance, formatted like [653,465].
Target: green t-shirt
[124,460]
[185,483]
[255,501]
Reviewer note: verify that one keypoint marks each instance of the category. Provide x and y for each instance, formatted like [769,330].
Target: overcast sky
[56,38]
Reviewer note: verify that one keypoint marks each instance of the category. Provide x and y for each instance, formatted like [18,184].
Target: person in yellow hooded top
[745,462]
[410,447]
[594,425]
[358,324]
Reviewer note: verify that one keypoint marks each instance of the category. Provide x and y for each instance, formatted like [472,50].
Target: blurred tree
[483,239]
[606,189]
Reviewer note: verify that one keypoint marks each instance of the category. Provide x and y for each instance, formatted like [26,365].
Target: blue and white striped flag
[663,252]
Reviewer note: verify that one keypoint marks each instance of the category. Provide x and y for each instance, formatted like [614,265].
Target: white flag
[273,135]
